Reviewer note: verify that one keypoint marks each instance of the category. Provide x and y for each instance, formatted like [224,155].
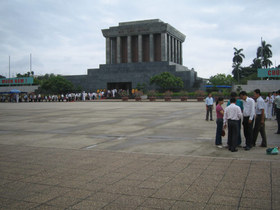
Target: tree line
[56,84]
[242,74]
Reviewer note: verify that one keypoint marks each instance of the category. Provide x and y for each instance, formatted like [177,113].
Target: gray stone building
[136,51]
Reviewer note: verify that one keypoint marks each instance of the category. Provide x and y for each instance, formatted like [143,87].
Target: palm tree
[237,60]
[266,62]
[256,63]
[236,71]
[265,53]
[238,56]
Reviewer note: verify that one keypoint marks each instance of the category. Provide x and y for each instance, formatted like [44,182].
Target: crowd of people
[251,112]
[68,97]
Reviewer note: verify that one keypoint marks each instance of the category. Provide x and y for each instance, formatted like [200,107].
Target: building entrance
[119,85]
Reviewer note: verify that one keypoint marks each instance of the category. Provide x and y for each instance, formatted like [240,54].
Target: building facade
[136,51]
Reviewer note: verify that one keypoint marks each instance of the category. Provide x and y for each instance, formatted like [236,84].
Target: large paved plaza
[128,155]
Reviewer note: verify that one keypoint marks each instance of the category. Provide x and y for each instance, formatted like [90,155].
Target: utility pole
[30,62]
[9,70]
[9,67]
[262,56]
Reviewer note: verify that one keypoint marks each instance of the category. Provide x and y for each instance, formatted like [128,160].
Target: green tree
[52,84]
[237,61]
[236,71]
[221,79]
[167,81]
[238,56]
[265,53]
[256,63]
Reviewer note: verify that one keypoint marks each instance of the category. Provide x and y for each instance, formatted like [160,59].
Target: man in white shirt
[248,118]
[260,117]
[232,115]
[209,106]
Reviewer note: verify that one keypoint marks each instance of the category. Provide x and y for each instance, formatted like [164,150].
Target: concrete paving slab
[114,155]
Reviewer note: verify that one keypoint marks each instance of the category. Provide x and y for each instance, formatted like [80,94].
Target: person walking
[277,110]
[232,115]
[248,119]
[219,122]
[209,106]
[260,118]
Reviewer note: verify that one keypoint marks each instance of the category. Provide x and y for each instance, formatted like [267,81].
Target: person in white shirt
[260,117]
[209,106]
[248,118]
[232,115]
[268,106]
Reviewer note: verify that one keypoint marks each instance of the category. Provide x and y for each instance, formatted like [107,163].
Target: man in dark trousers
[209,106]
[248,118]
[260,117]
[240,104]
[232,115]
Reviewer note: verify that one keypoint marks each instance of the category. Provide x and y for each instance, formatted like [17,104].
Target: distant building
[136,51]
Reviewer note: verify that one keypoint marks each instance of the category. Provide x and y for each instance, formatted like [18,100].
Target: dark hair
[257,91]
[233,94]
[243,93]
[278,92]
[232,100]
[219,99]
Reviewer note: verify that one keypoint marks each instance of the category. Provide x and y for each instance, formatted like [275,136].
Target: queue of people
[252,113]
[67,97]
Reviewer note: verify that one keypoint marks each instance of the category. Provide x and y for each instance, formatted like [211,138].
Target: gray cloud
[65,37]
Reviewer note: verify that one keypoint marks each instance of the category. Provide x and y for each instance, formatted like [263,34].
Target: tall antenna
[9,67]
[262,50]
[30,62]
[262,56]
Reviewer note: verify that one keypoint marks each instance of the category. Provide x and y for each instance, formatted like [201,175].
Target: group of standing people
[243,107]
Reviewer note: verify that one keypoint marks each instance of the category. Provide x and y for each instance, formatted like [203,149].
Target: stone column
[181,53]
[108,50]
[118,49]
[151,43]
[140,48]
[163,47]
[113,51]
[129,49]
[175,51]
[170,48]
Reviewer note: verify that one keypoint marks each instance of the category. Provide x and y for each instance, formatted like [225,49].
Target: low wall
[263,85]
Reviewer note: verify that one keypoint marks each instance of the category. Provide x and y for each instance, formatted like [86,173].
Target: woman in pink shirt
[219,121]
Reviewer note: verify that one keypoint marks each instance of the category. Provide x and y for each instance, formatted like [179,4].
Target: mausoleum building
[136,51]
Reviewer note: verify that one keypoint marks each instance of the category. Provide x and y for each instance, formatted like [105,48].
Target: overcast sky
[64,36]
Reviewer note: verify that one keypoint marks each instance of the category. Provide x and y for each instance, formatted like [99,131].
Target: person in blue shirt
[240,104]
